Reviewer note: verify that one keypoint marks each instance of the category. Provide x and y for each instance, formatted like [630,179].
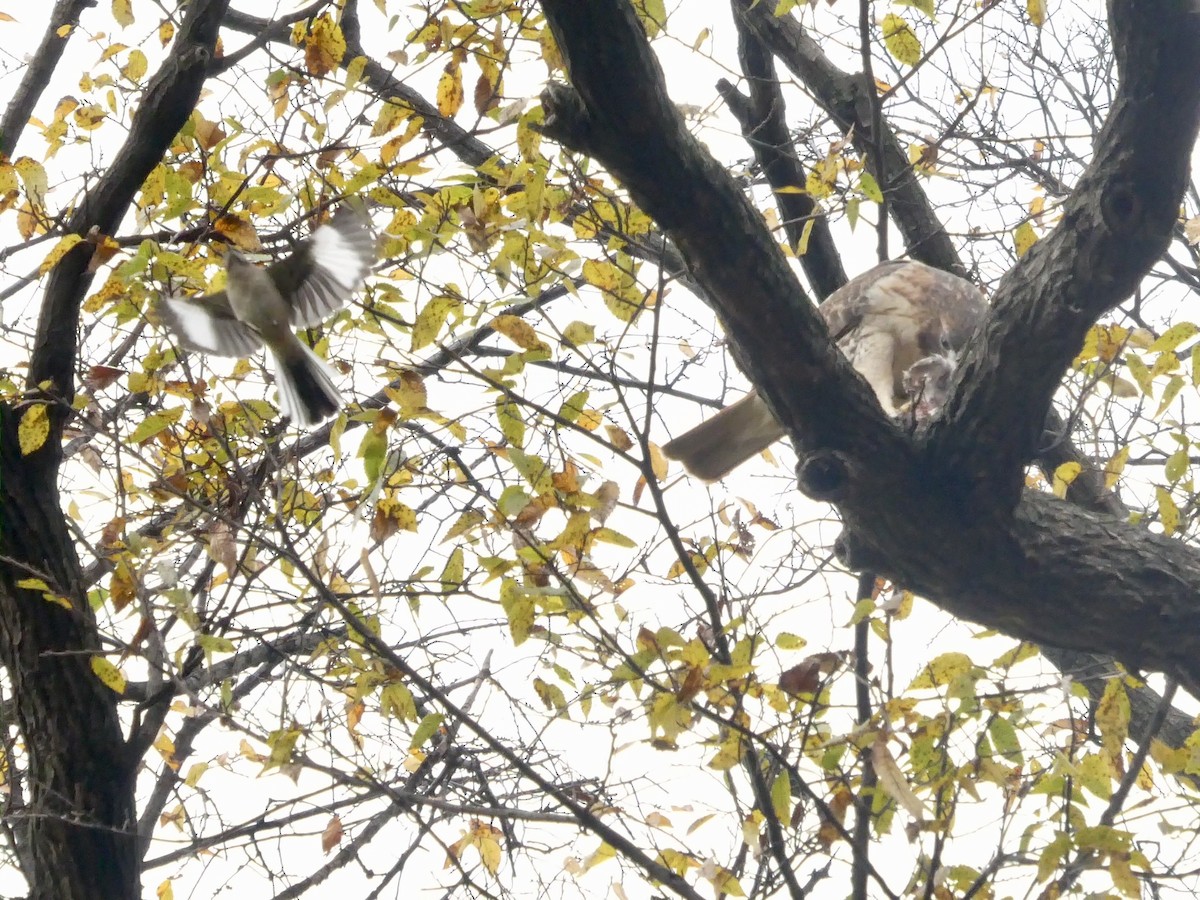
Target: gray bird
[261,305]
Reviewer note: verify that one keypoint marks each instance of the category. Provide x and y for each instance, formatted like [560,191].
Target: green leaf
[573,407]
[373,450]
[781,797]
[154,424]
[925,6]
[1004,739]
[900,40]
[1177,465]
[211,643]
[512,425]
[426,729]
[870,187]
[452,574]
[533,469]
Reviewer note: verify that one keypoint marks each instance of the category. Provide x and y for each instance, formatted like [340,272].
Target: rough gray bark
[78,827]
[946,516]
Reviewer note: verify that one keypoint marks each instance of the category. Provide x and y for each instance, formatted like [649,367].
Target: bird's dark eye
[945,343]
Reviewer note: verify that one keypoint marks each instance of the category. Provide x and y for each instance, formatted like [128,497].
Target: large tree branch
[1119,590]
[42,64]
[847,100]
[762,117]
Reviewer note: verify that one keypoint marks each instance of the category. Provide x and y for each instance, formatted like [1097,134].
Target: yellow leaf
[579,333]
[1037,11]
[1024,237]
[518,608]
[166,31]
[1116,465]
[34,428]
[430,320]
[900,40]
[518,331]
[155,423]
[1173,337]
[90,117]
[165,891]
[137,66]
[925,6]
[391,114]
[452,575]
[238,232]
[1168,512]
[109,674]
[489,852]
[194,772]
[324,47]
[1112,717]
[8,178]
[60,250]
[450,91]
[33,176]
[659,464]
[942,670]
[1064,477]
[122,11]
[601,854]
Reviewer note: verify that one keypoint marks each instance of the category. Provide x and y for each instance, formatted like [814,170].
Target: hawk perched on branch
[901,325]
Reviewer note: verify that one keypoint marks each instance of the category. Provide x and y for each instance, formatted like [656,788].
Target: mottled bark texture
[945,512]
[76,832]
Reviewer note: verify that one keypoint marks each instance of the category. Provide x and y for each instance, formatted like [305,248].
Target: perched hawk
[898,319]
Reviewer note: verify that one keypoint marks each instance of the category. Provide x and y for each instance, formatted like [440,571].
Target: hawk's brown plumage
[885,320]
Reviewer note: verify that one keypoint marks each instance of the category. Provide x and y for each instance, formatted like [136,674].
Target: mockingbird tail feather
[307,394]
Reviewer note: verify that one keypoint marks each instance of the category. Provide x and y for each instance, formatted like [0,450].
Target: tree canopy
[476,634]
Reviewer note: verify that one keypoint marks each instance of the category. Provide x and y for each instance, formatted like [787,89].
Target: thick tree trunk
[77,830]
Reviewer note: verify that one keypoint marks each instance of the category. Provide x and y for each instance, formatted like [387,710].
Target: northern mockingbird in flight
[263,304]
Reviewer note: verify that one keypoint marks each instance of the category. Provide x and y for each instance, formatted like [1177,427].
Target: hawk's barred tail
[718,445]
